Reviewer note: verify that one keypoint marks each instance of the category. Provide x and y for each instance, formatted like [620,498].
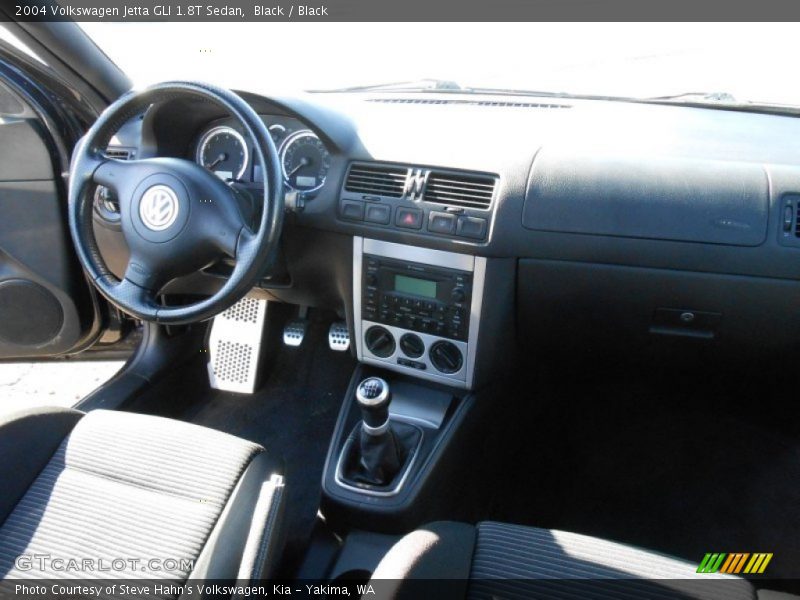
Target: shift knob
[373,396]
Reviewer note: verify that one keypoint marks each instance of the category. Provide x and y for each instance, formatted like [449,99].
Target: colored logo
[735,563]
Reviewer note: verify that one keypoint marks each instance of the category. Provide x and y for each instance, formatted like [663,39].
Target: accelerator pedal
[339,336]
[234,346]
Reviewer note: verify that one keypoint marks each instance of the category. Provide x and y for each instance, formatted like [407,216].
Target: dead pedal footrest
[234,346]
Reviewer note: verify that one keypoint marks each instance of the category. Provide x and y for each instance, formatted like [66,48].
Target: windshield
[743,63]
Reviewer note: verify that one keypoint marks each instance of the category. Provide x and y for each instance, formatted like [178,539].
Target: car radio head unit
[422,298]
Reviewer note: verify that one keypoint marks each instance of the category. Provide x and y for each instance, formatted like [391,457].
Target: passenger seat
[496,560]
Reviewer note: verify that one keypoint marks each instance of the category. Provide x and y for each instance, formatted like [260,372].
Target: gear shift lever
[373,396]
[380,456]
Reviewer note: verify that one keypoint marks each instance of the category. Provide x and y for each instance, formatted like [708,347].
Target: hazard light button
[408,218]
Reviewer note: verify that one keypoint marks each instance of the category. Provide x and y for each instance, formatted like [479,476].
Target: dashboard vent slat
[797,221]
[377,179]
[468,191]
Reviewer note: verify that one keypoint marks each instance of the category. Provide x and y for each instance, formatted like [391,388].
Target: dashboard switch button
[409,218]
[471,227]
[379,213]
[353,210]
[439,222]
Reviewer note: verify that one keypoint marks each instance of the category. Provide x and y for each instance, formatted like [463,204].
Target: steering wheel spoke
[119,176]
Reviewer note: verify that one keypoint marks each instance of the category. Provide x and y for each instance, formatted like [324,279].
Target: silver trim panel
[465,262]
[438,258]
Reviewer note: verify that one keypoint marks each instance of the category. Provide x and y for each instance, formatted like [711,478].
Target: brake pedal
[339,336]
[234,346]
[294,332]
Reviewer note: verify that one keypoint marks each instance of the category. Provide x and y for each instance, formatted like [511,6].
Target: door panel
[46,306]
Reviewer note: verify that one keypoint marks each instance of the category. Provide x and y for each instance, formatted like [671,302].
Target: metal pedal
[339,336]
[294,332]
[234,346]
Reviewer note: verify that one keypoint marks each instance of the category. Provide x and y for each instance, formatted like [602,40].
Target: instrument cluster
[223,149]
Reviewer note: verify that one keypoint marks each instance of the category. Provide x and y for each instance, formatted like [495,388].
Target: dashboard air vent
[377,179]
[118,153]
[797,221]
[469,191]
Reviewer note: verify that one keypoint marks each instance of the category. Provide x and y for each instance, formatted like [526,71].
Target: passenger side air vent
[377,180]
[796,221]
[455,189]
[118,153]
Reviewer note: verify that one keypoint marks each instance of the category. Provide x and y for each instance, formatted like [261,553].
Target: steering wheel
[176,216]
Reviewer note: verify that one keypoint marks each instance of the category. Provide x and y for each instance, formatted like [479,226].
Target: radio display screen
[412,285]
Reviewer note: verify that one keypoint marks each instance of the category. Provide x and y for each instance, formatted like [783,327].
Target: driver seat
[169,499]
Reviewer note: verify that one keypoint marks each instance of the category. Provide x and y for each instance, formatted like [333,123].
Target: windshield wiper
[700,97]
[419,85]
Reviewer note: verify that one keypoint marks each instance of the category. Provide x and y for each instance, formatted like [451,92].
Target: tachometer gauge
[305,161]
[223,151]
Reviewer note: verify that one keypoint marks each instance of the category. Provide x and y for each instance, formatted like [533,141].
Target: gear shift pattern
[380,453]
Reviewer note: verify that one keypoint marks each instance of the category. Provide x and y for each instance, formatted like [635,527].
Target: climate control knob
[380,341]
[412,345]
[446,357]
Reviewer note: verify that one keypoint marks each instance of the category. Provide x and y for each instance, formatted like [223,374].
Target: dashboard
[604,225]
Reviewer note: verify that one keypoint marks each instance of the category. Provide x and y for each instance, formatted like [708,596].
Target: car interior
[498,340]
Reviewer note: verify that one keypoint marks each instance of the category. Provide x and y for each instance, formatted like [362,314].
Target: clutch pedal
[339,336]
[234,346]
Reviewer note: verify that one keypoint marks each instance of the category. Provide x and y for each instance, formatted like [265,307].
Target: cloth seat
[147,497]
[497,560]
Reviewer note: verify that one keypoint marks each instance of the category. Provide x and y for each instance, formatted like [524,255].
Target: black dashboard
[614,221]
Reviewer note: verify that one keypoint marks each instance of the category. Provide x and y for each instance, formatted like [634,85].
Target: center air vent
[469,191]
[377,180]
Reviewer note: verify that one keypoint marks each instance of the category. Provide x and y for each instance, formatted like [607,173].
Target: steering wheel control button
[446,357]
[352,210]
[409,218]
[159,207]
[439,222]
[380,341]
[471,227]
[412,345]
[379,213]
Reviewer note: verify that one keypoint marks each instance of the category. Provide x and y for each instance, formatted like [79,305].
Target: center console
[417,311]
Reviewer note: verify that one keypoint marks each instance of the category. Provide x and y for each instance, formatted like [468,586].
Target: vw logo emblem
[158,207]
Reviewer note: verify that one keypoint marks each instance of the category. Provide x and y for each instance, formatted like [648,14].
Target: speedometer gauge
[223,151]
[305,161]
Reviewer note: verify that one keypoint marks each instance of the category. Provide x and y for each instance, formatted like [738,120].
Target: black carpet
[682,463]
[292,414]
